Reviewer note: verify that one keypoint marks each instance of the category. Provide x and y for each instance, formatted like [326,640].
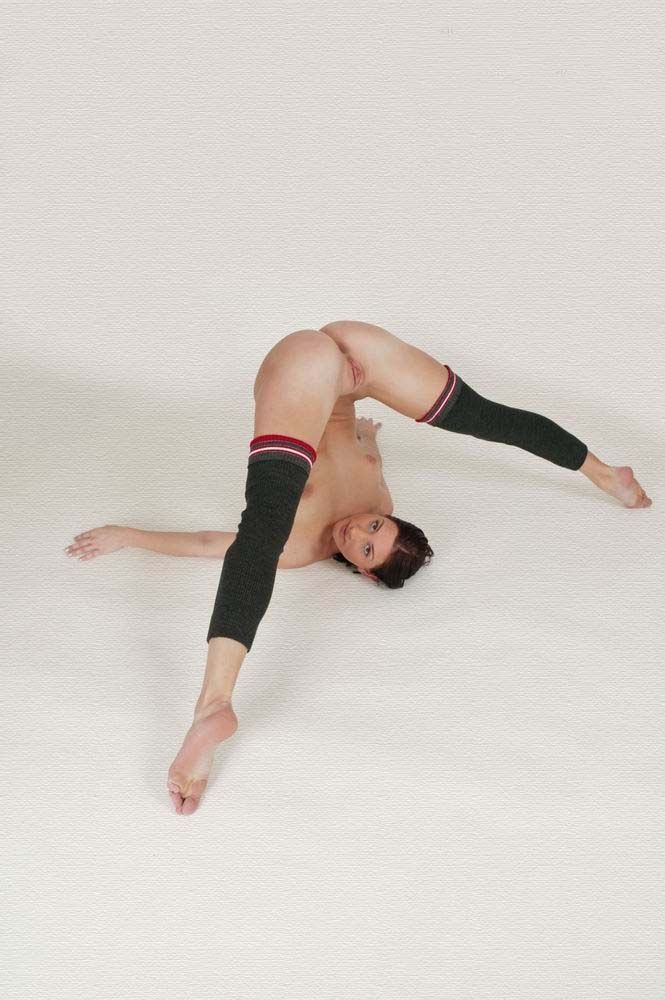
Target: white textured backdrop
[448,792]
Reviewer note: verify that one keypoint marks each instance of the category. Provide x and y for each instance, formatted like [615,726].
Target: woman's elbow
[215,544]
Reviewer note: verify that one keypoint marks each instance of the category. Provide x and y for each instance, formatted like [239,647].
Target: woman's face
[366,540]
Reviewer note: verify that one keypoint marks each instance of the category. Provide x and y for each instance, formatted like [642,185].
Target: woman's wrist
[129,537]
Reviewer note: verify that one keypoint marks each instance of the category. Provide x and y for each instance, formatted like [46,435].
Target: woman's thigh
[397,373]
[297,386]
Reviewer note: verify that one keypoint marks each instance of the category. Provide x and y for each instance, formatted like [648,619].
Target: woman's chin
[338,536]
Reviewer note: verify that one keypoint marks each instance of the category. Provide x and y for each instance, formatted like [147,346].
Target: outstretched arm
[209,544]
[217,543]
[111,537]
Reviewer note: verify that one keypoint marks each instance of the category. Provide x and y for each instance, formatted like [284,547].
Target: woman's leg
[460,409]
[408,380]
[301,379]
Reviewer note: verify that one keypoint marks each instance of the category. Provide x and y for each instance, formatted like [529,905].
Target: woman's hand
[98,542]
[367,427]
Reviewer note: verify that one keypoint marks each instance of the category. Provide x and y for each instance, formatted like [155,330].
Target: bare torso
[346,479]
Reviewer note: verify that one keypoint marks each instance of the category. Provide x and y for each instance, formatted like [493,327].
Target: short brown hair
[410,551]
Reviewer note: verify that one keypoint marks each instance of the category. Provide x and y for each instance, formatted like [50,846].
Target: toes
[642,501]
[176,799]
[187,803]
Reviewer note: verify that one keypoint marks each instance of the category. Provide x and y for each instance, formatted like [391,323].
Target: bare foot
[620,482]
[188,774]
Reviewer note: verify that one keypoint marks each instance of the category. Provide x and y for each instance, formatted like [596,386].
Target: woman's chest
[346,478]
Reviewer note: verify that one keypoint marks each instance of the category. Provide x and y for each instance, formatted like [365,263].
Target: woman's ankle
[208,704]
[594,469]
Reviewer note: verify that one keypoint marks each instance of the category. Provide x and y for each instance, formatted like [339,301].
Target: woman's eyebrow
[377,531]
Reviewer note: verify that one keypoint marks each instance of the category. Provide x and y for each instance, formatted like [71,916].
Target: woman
[315,489]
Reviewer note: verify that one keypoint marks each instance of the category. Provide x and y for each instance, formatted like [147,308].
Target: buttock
[310,359]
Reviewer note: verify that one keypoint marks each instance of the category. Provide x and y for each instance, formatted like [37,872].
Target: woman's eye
[367,546]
